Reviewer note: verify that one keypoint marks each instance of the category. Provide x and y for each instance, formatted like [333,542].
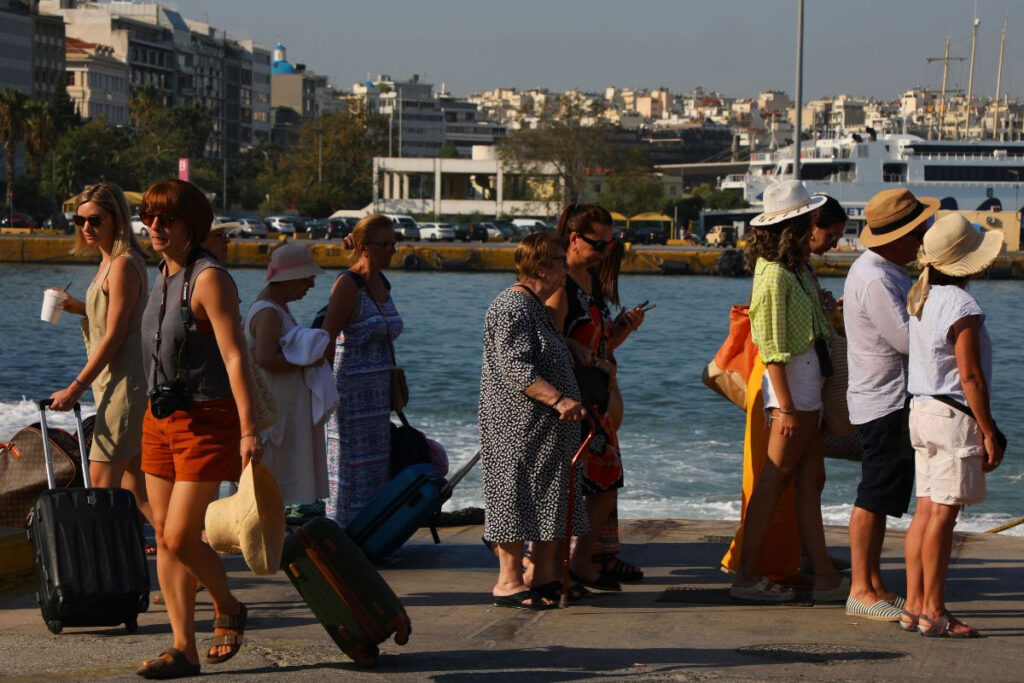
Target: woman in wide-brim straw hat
[955,438]
[792,332]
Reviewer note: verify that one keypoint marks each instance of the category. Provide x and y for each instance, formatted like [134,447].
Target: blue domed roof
[282,67]
[279,46]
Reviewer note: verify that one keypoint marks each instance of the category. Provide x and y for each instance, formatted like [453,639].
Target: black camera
[824,356]
[165,398]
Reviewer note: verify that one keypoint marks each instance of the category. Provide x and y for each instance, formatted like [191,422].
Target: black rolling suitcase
[90,560]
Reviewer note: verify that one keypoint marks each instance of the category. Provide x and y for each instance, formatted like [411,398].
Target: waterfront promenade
[457,636]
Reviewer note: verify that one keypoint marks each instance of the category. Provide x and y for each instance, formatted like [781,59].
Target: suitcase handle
[51,480]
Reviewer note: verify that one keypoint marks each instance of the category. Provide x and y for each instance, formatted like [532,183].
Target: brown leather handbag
[23,470]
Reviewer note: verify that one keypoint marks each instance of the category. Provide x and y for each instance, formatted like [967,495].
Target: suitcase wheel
[364,655]
[131,625]
[55,626]
[401,627]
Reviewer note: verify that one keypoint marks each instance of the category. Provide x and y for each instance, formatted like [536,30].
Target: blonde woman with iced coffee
[112,323]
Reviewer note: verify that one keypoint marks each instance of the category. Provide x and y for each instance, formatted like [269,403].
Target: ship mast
[999,79]
[945,73]
[970,78]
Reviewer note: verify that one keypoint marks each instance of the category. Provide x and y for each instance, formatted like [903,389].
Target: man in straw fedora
[877,338]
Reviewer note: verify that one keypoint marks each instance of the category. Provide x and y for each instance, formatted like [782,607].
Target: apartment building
[47,56]
[187,61]
[15,46]
[97,82]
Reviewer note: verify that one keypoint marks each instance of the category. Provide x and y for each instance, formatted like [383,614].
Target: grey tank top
[204,367]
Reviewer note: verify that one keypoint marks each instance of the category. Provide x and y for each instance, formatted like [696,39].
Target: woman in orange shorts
[200,428]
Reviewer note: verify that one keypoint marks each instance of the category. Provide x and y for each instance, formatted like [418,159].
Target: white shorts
[949,451]
[805,383]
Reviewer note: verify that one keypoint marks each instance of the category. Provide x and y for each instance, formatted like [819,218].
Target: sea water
[682,445]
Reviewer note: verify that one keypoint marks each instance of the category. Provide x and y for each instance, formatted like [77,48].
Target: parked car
[339,228]
[722,236]
[464,232]
[138,227]
[317,229]
[511,231]
[645,235]
[435,232]
[250,227]
[406,227]
[286,225]
[20,219]
[529,226]
[494,233]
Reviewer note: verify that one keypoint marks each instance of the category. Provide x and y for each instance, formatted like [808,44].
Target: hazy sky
[738,47]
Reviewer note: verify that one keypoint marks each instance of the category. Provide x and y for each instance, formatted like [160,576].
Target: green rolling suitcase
[355,605]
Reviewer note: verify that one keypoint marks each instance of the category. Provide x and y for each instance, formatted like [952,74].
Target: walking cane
[564,600]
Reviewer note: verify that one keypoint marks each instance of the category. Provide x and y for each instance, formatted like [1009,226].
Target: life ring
[730,263]
[411,262]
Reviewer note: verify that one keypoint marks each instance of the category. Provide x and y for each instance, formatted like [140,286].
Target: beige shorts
[949,451]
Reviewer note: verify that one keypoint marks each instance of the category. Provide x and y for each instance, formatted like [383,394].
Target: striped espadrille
[899,602]
[880,611]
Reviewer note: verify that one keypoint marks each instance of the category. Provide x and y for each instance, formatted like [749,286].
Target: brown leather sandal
[177,666]
[231,622]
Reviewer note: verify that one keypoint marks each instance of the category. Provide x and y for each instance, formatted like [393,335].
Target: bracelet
[253,434]
[80,383]
[558,400]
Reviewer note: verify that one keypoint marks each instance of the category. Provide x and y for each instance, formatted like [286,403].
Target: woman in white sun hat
[792,334]
[295,448]
[955,439]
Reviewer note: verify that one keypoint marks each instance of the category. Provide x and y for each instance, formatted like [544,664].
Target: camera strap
[186,318]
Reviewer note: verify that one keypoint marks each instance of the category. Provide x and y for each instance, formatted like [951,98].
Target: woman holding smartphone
[581,311]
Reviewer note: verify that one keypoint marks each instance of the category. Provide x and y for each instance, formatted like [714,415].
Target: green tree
[87,154]
[162,136]
[331,166]
[570,136]
[448,150]
[632,193]
[12,130]
[715,199]
[39,133]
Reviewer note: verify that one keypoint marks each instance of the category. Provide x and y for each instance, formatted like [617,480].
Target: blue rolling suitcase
[409,501]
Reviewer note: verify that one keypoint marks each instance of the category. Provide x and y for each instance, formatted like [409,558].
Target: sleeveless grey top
[204,367]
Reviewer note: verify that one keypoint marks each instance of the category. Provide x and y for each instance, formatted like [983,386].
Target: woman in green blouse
[792,334]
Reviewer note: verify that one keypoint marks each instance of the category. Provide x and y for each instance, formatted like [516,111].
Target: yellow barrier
[466,257]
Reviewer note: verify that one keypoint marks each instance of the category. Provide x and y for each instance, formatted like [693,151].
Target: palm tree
[12,129]
[39,132]
[145,100]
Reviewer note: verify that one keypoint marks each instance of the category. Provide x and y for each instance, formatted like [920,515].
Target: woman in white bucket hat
[792,332]
[295,448]
[955,438]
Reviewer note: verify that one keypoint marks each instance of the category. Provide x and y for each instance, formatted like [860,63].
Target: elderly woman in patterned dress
[362,318]
[529,414]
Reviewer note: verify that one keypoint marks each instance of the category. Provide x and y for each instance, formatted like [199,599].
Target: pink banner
[183,168]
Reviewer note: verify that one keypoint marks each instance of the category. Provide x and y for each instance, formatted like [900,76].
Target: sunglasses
[598,245]
[93,221]
[166,219]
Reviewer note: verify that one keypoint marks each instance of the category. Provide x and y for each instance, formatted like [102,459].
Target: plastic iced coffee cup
[53,305]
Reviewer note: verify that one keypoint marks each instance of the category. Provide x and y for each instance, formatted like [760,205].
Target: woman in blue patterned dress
[364,322]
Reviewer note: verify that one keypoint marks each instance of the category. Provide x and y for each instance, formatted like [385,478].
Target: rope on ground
[1004,527]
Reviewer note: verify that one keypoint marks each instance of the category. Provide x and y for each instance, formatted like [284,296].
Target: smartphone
[646,308]
[642,305]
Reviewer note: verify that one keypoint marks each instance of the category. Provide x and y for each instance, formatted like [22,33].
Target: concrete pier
[481,257]
[458,636]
